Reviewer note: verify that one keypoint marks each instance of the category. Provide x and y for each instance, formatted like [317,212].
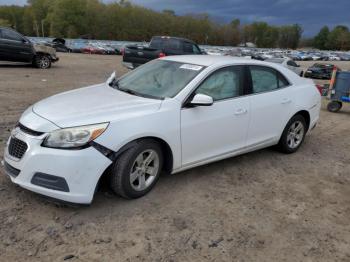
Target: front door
[219,129]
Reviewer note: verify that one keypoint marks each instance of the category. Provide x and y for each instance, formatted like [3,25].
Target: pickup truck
[160,46]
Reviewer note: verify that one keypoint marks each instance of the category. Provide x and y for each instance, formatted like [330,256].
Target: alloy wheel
[295,134]
[144,170]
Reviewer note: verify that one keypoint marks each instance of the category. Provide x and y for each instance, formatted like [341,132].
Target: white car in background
[287,63]
[170,115]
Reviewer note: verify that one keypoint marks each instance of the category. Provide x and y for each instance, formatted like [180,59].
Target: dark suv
[15,47]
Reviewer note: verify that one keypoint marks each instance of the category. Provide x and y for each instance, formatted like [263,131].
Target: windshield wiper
[135,93]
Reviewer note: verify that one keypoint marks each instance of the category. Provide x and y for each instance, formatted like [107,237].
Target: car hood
[93,104]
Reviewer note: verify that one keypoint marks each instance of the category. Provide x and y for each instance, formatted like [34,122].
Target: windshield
[159,79]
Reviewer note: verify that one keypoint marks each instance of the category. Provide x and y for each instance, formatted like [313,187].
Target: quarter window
[222,84]
[266,79]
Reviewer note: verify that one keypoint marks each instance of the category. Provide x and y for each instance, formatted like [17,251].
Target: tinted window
[174,44]
[196,50]
[156,43]
[188,47]
[10,35]
[266,79]
[222,84]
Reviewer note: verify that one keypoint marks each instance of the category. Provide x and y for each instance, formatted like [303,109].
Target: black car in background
[159,46]
[319,71]
[15,47]
[60,45]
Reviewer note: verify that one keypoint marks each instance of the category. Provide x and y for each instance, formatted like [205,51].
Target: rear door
[15,47]
[272,103]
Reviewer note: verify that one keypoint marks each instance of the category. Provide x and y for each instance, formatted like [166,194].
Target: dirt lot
[262,206]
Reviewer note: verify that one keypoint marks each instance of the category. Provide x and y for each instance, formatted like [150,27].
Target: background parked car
[159,46]
[319,71]
[15,47]
[60,45]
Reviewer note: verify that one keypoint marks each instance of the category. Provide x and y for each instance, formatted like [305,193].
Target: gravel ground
[262,206]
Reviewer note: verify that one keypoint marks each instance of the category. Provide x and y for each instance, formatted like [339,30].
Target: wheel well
[166,150]
[42,53]
[167,153]
[306,116]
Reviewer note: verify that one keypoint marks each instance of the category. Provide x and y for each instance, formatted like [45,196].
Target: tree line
[125,21]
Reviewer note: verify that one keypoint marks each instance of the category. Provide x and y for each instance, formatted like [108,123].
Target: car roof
[208,60]
[173,37]
[218,61]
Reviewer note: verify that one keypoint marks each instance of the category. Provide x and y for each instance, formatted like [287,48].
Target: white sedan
[169,115]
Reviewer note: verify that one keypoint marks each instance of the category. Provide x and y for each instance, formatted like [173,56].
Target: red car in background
[92,50]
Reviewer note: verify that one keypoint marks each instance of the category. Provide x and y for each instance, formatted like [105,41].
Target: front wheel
[334,106]
[293,135]
[137,170]
[42,61]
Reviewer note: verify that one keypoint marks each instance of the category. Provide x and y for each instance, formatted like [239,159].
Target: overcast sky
[311,14]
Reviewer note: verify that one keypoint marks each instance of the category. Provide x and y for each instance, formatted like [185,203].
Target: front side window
[266,79]
[222,84]
[159,79]
[11,35]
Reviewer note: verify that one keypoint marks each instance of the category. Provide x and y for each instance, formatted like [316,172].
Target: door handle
[286,101]
[241,111]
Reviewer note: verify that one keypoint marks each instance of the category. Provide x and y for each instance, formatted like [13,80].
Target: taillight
[319,88]
[161,55]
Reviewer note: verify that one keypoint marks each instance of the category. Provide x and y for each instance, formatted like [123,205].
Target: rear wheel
[334,106]
[293,135]
[42,61]
[137,170]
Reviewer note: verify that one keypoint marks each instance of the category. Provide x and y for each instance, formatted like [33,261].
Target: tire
[129,176]
[42,61]
[301,73]
[293,135]
[334,106]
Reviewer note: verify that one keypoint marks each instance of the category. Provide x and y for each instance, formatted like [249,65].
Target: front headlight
[74,137]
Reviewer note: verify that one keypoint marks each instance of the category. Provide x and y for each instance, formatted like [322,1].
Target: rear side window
[266,79]
[223,84]
[174,44]
[10,35]
[188,47]
[156,43]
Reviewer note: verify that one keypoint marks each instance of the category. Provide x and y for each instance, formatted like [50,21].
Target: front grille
[28,130]
[17,148]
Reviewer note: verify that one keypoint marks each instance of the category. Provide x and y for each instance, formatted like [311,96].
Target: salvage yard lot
[262,206]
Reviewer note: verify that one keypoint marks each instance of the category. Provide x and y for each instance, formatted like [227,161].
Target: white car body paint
[196,136]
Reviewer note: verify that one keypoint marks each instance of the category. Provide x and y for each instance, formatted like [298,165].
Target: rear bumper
[67,175]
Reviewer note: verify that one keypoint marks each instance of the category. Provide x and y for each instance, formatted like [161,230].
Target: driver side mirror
[201,100]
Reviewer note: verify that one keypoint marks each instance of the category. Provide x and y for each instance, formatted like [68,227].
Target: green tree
[321,39]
